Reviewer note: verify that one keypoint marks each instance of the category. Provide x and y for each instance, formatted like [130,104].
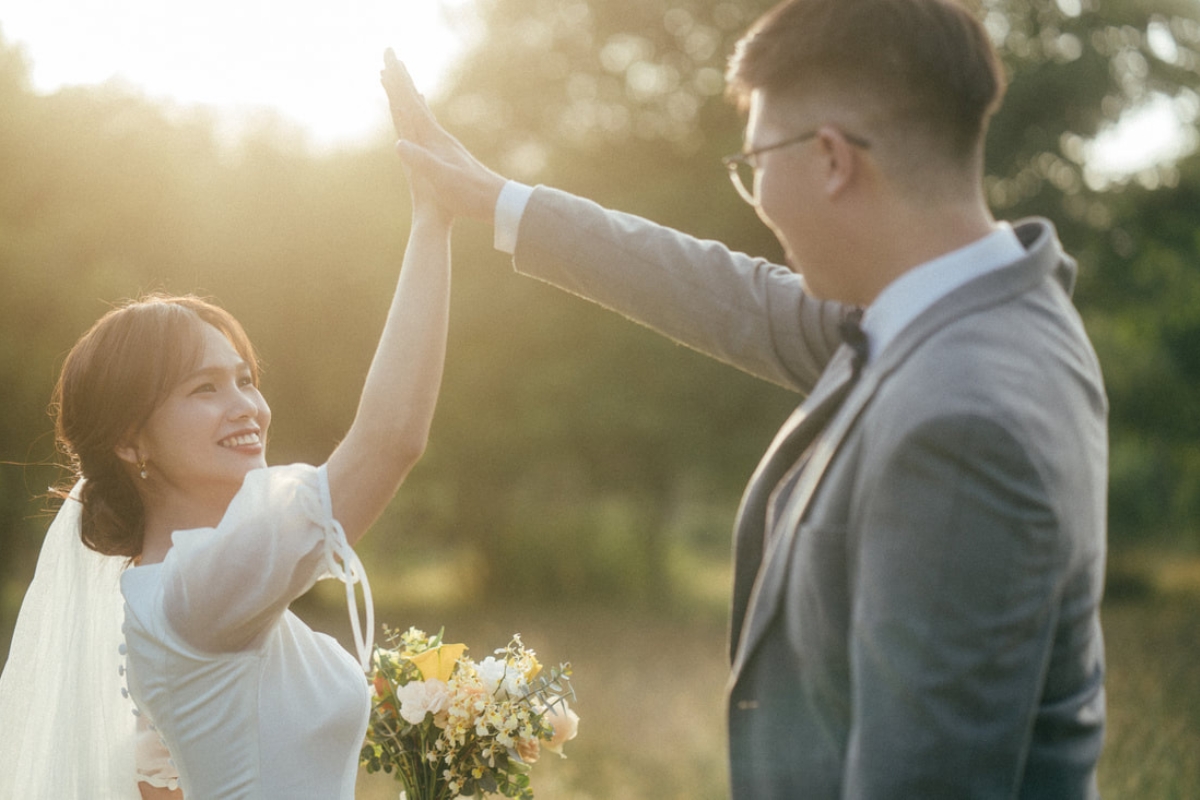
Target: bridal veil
[66,726]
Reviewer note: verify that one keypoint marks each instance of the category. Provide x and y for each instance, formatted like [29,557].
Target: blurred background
[583,473]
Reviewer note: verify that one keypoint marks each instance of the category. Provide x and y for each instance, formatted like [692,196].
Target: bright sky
[316,63]
[1157,132]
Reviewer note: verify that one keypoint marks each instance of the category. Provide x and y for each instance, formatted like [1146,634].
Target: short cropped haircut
[928,64]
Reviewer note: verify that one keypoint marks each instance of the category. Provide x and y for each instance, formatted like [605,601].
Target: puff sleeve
[224,587]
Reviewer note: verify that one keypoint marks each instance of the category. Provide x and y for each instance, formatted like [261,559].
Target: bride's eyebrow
[215,370]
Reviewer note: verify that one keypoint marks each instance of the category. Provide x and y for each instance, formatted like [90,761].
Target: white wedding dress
[250,702]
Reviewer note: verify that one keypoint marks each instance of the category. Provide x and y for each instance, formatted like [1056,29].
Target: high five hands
[462,185]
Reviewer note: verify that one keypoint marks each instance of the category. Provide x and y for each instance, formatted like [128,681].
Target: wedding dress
[249,701]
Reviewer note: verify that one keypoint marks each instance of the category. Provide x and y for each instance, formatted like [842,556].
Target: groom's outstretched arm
[744,311]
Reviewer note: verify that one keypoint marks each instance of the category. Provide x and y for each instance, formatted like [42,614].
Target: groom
[920,553]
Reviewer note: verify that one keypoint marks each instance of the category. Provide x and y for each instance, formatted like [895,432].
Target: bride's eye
[202,388]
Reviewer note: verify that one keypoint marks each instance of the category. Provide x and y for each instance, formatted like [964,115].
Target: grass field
[650,688]
[650,696]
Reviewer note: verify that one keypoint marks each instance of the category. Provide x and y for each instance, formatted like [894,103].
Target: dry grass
[650,689]
[650,695]
[1153,745]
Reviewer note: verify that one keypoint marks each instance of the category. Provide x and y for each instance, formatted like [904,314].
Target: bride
[227,693]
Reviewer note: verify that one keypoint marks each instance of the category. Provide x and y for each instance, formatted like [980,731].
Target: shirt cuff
[510,206]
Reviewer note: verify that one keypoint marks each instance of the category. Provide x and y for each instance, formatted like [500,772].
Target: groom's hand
[462,184]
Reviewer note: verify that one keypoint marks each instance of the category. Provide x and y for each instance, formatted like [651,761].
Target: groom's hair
[925,68]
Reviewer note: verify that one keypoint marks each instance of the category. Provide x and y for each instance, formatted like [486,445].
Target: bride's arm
[392,424]
[156,793]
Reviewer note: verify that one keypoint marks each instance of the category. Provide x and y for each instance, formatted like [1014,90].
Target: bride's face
[210,431]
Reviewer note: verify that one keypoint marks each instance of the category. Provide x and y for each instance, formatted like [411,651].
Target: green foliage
[1142,304]
[601,97]
[572,451]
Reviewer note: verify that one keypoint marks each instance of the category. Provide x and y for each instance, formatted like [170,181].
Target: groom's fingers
[462,185]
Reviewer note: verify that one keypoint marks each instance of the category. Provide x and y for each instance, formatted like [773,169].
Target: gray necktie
[818,418]
[765,497]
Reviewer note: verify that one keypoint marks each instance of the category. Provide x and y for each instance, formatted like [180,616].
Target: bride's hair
[113,379]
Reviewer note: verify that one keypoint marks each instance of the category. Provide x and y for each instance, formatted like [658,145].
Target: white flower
[419,698]
[491,674]
[501,679]
[514,684]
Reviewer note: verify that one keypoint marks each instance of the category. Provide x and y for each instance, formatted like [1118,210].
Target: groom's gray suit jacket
[915,610]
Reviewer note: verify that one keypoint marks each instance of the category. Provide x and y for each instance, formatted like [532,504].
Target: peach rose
[565,723]
[529,750]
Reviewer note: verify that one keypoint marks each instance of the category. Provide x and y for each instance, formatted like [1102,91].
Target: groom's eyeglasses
[743,166]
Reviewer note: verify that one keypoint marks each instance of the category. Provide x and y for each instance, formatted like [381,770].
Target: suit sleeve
[744,311]
[958,573]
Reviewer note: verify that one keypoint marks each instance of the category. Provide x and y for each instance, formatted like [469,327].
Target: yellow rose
[438,662]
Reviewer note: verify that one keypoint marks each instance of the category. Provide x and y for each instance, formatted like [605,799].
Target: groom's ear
[841,160]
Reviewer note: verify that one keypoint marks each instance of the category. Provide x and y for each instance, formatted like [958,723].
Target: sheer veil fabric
[66,726]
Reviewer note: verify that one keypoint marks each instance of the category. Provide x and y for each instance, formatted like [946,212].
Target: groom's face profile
[788,183]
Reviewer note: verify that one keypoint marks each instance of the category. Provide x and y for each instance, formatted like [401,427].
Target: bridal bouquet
[447,726]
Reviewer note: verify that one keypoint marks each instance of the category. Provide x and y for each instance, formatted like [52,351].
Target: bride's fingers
[410,113]
[401,94]
[401,90]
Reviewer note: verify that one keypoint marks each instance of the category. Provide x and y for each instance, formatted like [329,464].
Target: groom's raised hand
[463,185]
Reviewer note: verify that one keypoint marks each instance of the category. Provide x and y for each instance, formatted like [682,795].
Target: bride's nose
[244,407]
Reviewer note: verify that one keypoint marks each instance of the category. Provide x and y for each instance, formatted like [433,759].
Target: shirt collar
[904,299]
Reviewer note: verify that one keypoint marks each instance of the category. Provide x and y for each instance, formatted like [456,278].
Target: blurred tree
[572,451]
[1076,68]
[604,431]
[107,195]
[1143,310]
[622,101]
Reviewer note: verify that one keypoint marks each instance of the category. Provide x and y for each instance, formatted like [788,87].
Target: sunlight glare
[1158,132]
[316,64]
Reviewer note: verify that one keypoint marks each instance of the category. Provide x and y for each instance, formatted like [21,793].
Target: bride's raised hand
[410,114]
[413,120]
[462,184]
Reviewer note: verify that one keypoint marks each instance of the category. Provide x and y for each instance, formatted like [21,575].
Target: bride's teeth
[238,441]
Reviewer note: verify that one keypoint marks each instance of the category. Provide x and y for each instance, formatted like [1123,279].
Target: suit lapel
[763,592]
[793,439]
[768,588]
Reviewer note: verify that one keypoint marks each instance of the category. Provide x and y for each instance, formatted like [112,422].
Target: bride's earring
[142,473]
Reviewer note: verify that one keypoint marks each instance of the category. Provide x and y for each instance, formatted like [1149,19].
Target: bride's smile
[211,429]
